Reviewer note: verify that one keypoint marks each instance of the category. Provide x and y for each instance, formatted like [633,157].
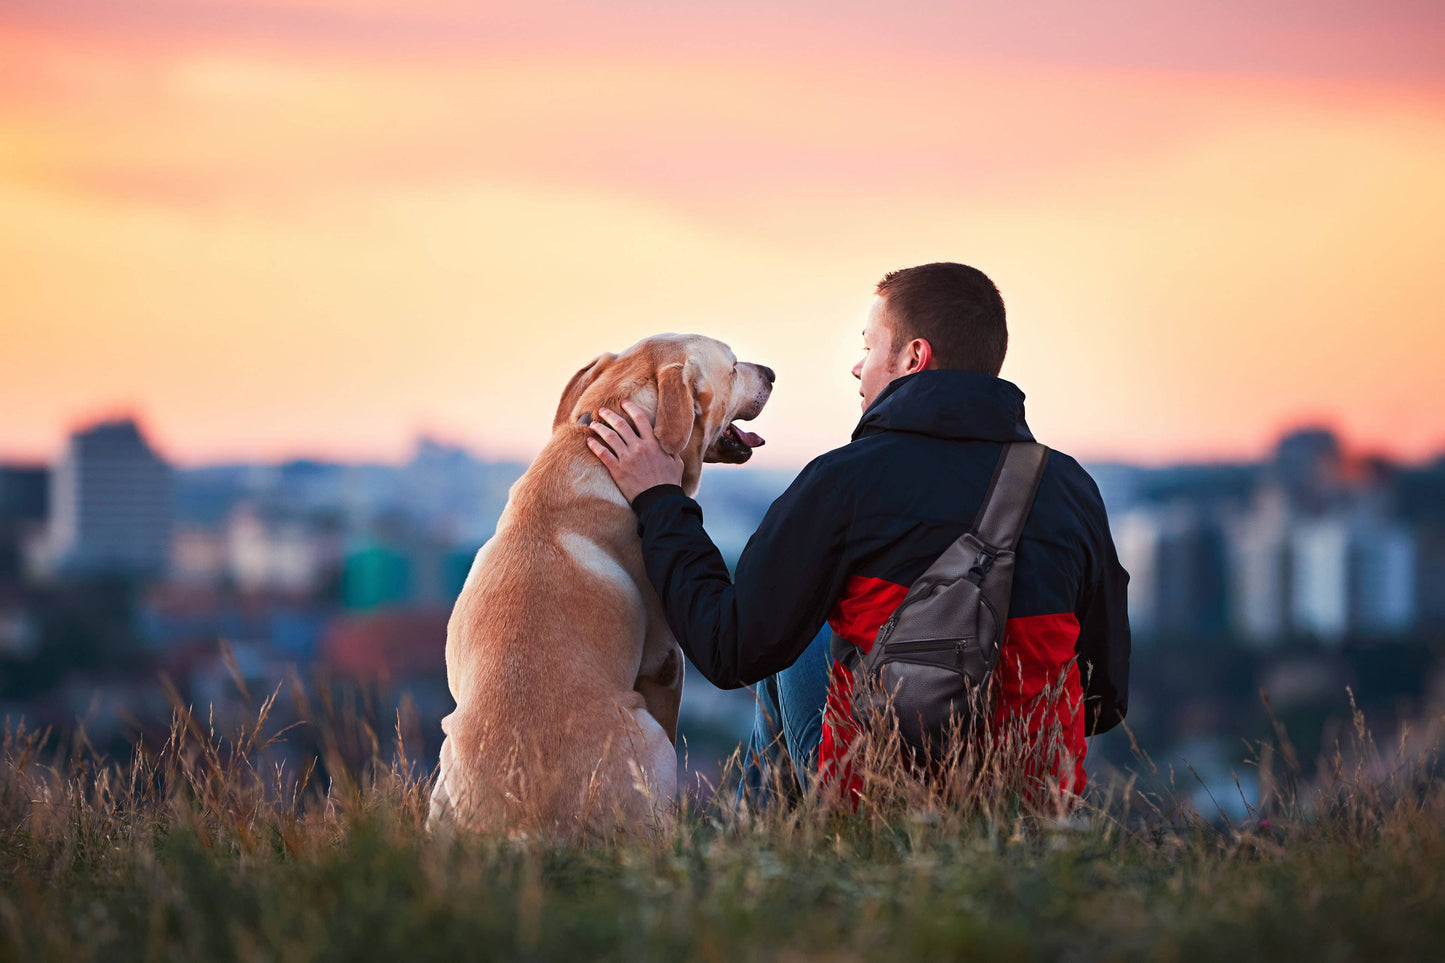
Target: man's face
[879,365]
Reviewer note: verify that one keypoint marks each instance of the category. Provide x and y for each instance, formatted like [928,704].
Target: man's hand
[635,459]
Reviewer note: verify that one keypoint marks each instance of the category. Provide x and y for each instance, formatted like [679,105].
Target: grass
[205,848]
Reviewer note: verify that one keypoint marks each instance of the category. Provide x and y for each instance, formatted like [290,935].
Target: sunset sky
[284,227]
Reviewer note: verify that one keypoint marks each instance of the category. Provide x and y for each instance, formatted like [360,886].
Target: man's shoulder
[1068,472]
[849,454]
[878,459]
[858,457]
[1069,499]
[826,469]
[870,448]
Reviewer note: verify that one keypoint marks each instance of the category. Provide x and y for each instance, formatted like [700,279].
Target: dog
[566,676]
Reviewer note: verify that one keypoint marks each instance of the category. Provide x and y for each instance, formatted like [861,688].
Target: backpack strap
[1010,495]
[999,524]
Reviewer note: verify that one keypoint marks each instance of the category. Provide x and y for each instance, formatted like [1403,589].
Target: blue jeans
[782,754]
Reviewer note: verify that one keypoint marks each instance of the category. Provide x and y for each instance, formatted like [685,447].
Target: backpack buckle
[981,565]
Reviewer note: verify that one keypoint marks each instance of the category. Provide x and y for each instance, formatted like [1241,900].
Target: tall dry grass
[209,844]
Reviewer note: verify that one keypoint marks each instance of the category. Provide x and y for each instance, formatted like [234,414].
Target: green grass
[196,850]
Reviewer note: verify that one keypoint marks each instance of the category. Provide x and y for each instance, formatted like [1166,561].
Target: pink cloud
[1390,39]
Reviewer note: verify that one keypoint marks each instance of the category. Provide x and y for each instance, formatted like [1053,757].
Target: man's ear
[674,406]
[917,355]
[580,382]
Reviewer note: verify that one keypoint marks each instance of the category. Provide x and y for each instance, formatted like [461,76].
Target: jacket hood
[962,405]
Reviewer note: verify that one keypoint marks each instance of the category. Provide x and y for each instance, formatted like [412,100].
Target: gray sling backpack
[932,659]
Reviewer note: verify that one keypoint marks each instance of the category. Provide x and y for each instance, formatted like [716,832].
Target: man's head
[940,315]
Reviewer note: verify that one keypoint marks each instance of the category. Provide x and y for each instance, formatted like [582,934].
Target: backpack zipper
[932,645]
[913,596]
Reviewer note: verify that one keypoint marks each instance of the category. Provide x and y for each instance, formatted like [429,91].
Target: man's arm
[788,577]
[1104,641]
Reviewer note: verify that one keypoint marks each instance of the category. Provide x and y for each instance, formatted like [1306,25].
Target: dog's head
[695,388]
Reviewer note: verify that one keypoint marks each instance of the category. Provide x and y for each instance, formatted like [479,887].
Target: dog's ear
[675,410]
[580,382]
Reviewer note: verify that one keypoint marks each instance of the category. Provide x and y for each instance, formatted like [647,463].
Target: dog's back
[543,648]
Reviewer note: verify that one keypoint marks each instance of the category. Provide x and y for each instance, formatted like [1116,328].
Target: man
[862,522]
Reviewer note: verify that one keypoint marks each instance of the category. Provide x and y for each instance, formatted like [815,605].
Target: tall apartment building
[1176,564]
[1320,578]
[1354,574]
[111,503]
[1260,573]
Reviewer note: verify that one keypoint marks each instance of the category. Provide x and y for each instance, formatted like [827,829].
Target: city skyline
[320,227]
[1353,450]
[1310,544]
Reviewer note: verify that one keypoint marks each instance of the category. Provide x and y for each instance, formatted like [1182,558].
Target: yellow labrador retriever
[566,676]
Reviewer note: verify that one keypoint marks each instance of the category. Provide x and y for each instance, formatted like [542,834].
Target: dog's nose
[768,373]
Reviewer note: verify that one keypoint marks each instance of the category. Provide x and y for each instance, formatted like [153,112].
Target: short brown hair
[955,308]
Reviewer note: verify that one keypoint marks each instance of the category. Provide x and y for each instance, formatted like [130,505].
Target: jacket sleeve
[740,631]
[1104,642]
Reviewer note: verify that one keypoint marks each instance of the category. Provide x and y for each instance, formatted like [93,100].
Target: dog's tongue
[735,446]
[747,437]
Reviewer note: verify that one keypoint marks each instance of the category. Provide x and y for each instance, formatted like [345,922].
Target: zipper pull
[888,628]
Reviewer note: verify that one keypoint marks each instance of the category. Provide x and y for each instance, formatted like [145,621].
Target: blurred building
[1175,558]
[1430,578]
[19,631]
[1420,502]
[397,643]
[24,492]
[1259,572]
[111,503]
[396,569]
[458,496]
[376,574]
[267,552]
[1309,467]
[1320,578]
[174,617]
[24,496]
[1136,539]
[403,647]
[1354,575]
[1326,576]
[1383,576]
[198,555]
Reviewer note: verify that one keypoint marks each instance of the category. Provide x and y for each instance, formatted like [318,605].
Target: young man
[862,522]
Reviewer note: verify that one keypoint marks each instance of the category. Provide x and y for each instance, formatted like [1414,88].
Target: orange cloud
[273,251]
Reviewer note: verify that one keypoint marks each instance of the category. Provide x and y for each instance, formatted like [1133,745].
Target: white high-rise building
[1320,600]
[1353,574]
[111,503]
[1259,573]
[1137,533]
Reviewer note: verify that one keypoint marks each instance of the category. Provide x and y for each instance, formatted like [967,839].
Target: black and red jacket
[860,523]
